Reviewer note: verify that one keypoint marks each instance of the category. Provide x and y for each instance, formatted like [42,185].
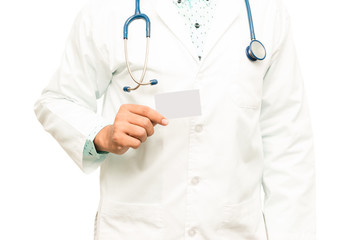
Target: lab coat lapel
[168,13]
[226,12]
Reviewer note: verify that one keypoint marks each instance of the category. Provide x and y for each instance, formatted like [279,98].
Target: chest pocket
[245,84]
[241,80]
[245,91]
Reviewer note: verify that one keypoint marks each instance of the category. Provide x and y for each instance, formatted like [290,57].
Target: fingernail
[164,121]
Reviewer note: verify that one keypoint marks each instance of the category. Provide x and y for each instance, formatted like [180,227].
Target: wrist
[101,140]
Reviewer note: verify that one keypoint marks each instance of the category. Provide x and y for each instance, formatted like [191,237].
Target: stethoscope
[255,51]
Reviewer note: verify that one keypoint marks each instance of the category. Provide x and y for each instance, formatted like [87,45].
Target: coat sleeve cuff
[92,158]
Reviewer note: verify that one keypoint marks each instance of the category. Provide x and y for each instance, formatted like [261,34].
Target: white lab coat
[198,177]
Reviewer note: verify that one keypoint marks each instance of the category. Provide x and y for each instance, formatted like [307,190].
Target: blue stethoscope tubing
[137,15]
[255,51]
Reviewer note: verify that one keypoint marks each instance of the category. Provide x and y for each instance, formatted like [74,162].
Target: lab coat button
[198,128]
[195,180]
[192,232]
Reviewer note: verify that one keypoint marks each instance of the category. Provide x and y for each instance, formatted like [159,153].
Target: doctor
[197,177]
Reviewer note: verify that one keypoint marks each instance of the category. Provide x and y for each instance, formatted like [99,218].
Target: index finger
[145,111]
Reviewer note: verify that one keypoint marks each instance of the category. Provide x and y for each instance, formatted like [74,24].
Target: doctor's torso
[204,169]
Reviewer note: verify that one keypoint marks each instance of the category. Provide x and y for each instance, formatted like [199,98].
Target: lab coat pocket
[246,92]
[242,220]
[135,221]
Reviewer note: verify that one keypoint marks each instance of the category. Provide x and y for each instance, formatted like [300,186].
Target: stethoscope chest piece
[256,51]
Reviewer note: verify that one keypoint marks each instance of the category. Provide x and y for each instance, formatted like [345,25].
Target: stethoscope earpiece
[256,51]
[126,89]
[153,82]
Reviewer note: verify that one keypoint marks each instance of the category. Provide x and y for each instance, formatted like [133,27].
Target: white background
[43,194]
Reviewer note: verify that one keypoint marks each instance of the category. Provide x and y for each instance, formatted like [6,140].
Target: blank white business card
[178,104]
